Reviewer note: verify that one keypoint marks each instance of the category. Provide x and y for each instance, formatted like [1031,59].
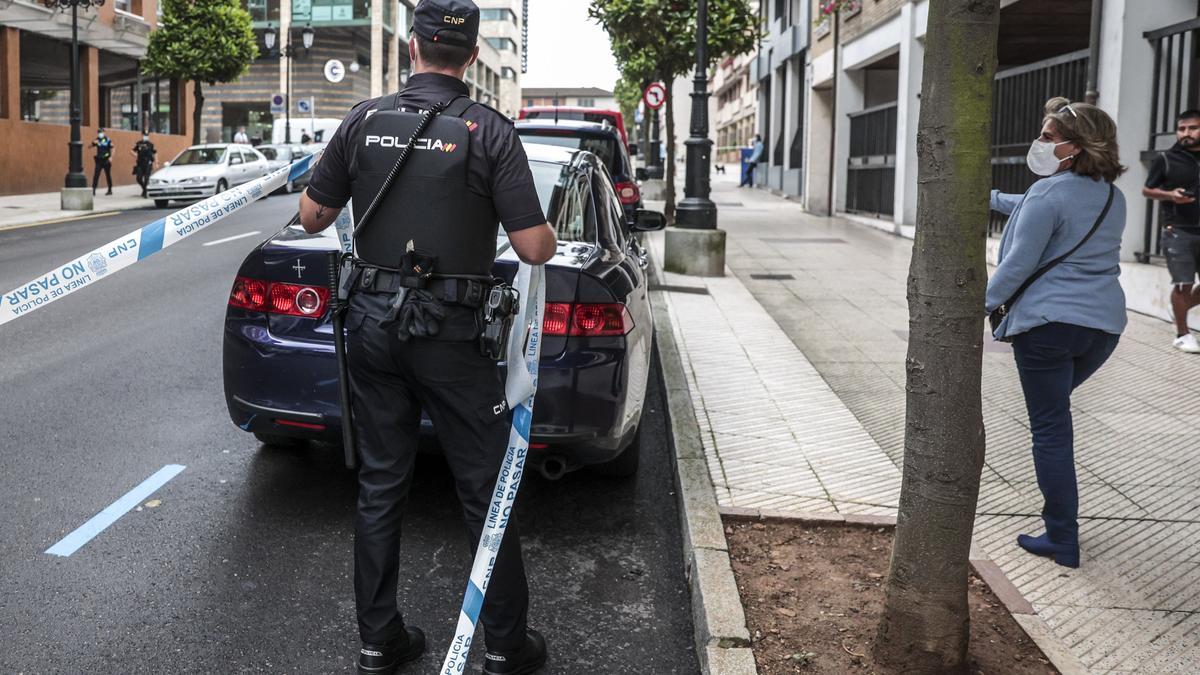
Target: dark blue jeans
[1053,360]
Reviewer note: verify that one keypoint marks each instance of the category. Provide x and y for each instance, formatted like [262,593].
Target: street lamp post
[696,210]
[287,51]
[76,179]
[696,247]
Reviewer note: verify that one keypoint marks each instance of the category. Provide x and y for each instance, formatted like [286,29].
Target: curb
[722,638]
[66,219]
[1056,652]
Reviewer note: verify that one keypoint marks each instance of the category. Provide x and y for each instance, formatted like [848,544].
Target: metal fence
[871,179]
[1017,117]
[1175,89]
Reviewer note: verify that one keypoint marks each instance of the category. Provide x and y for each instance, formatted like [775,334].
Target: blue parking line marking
[88,531]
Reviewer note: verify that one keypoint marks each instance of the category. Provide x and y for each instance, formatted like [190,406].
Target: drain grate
[668,288]
[772,277]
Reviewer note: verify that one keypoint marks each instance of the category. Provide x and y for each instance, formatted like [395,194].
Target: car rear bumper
[289,387]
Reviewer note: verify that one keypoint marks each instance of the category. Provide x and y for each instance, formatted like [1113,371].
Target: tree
[925,621]
[656,39]
[203,41]
[628,94]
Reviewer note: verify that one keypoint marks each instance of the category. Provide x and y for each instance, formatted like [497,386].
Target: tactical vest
[429,204]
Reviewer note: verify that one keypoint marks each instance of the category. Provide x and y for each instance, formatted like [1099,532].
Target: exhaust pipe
[553,467]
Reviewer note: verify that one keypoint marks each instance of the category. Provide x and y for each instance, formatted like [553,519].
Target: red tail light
[586,319]
[628,192]
[279,298]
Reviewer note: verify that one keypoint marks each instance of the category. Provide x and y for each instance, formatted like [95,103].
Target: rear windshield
[200,156]
[604,148]
[268,152]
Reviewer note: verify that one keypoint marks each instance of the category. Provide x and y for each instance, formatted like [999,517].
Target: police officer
[104,151]
[143,152]
[433,235]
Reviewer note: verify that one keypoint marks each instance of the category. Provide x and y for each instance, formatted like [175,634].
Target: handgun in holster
[501,305]
[412,311]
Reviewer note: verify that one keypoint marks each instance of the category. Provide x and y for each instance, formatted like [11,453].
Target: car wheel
[626,463]
[221,186]
[277,441]
[161,203]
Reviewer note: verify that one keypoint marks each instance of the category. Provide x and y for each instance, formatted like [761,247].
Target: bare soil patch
[814,593]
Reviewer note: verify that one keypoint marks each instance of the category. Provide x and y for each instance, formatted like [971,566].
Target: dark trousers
[462,392]
[106,167]
[748,179]
[1052,361]
[143,178]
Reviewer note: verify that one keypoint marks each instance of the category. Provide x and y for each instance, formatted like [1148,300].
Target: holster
[501,305]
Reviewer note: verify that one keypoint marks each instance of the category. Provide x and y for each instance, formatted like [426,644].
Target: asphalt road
[242,562]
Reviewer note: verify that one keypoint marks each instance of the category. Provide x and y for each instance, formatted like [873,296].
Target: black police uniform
[393,380]
[144,165]
[1176,168]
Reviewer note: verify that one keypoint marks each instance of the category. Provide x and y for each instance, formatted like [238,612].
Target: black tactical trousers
[462,392]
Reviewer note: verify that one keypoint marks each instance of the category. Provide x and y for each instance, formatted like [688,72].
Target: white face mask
[1041,159]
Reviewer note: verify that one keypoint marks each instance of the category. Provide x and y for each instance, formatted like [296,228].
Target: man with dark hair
[429,252]
[1174,181]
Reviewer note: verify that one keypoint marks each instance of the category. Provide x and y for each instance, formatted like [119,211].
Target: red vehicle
[576,114]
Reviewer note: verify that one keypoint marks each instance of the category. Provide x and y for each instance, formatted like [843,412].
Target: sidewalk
[796,372]
[21,210]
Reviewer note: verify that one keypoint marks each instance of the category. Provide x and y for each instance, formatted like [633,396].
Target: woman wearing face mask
[1063,308]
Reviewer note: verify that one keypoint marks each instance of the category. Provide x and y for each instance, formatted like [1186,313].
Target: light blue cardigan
[1054,215]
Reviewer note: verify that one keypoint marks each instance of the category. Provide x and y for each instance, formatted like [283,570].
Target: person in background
[104,150]
[755,158]
[1174,180]
[305,139]
[241,137]
[1067,323]
[143,152]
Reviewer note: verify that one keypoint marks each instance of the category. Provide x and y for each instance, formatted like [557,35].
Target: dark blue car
[281,376]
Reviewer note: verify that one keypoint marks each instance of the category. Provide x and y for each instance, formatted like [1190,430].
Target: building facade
[115,95]
[735,101]
[779,71]
[839,109]
[502,27]
[584,97]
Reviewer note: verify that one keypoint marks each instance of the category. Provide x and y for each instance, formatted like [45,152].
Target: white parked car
[205,170]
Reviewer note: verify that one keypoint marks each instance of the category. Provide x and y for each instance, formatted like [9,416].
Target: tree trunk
[925,621]
[669,176]
[197,112]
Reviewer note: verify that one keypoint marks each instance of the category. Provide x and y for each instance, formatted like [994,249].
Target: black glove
[420,316]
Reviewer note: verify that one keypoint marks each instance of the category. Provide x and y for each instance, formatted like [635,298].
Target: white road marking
[233,238]
[88,531]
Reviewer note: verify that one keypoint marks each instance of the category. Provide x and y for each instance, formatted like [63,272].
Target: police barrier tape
[524,347]
[140,244]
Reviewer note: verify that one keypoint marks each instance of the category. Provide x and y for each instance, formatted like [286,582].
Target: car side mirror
[648,221]
[641,174]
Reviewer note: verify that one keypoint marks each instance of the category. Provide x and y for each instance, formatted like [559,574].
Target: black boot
[384,659]
[527,659]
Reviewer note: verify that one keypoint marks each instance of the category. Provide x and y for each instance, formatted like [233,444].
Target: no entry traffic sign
[655,95]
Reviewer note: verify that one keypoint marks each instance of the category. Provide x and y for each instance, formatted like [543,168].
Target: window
[161,98]
[263,11]
[508,73]
[564,200]
[45,79]
[498,15]
[610,211]
[587,103]
[119,105]
[603,148]
[502,44]
[200,156]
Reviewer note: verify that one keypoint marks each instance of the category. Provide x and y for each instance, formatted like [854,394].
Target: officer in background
[468,175]
[143,152]
[104,150]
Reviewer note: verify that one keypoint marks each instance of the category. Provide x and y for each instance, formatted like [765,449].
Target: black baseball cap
[453,22]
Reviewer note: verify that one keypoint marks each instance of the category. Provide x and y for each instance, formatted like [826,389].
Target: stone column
[10,65]
[908,107]
[89,86]
[377,48]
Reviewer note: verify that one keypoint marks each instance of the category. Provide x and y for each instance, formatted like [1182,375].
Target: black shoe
[108,193]
[527,659]
[385,659]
